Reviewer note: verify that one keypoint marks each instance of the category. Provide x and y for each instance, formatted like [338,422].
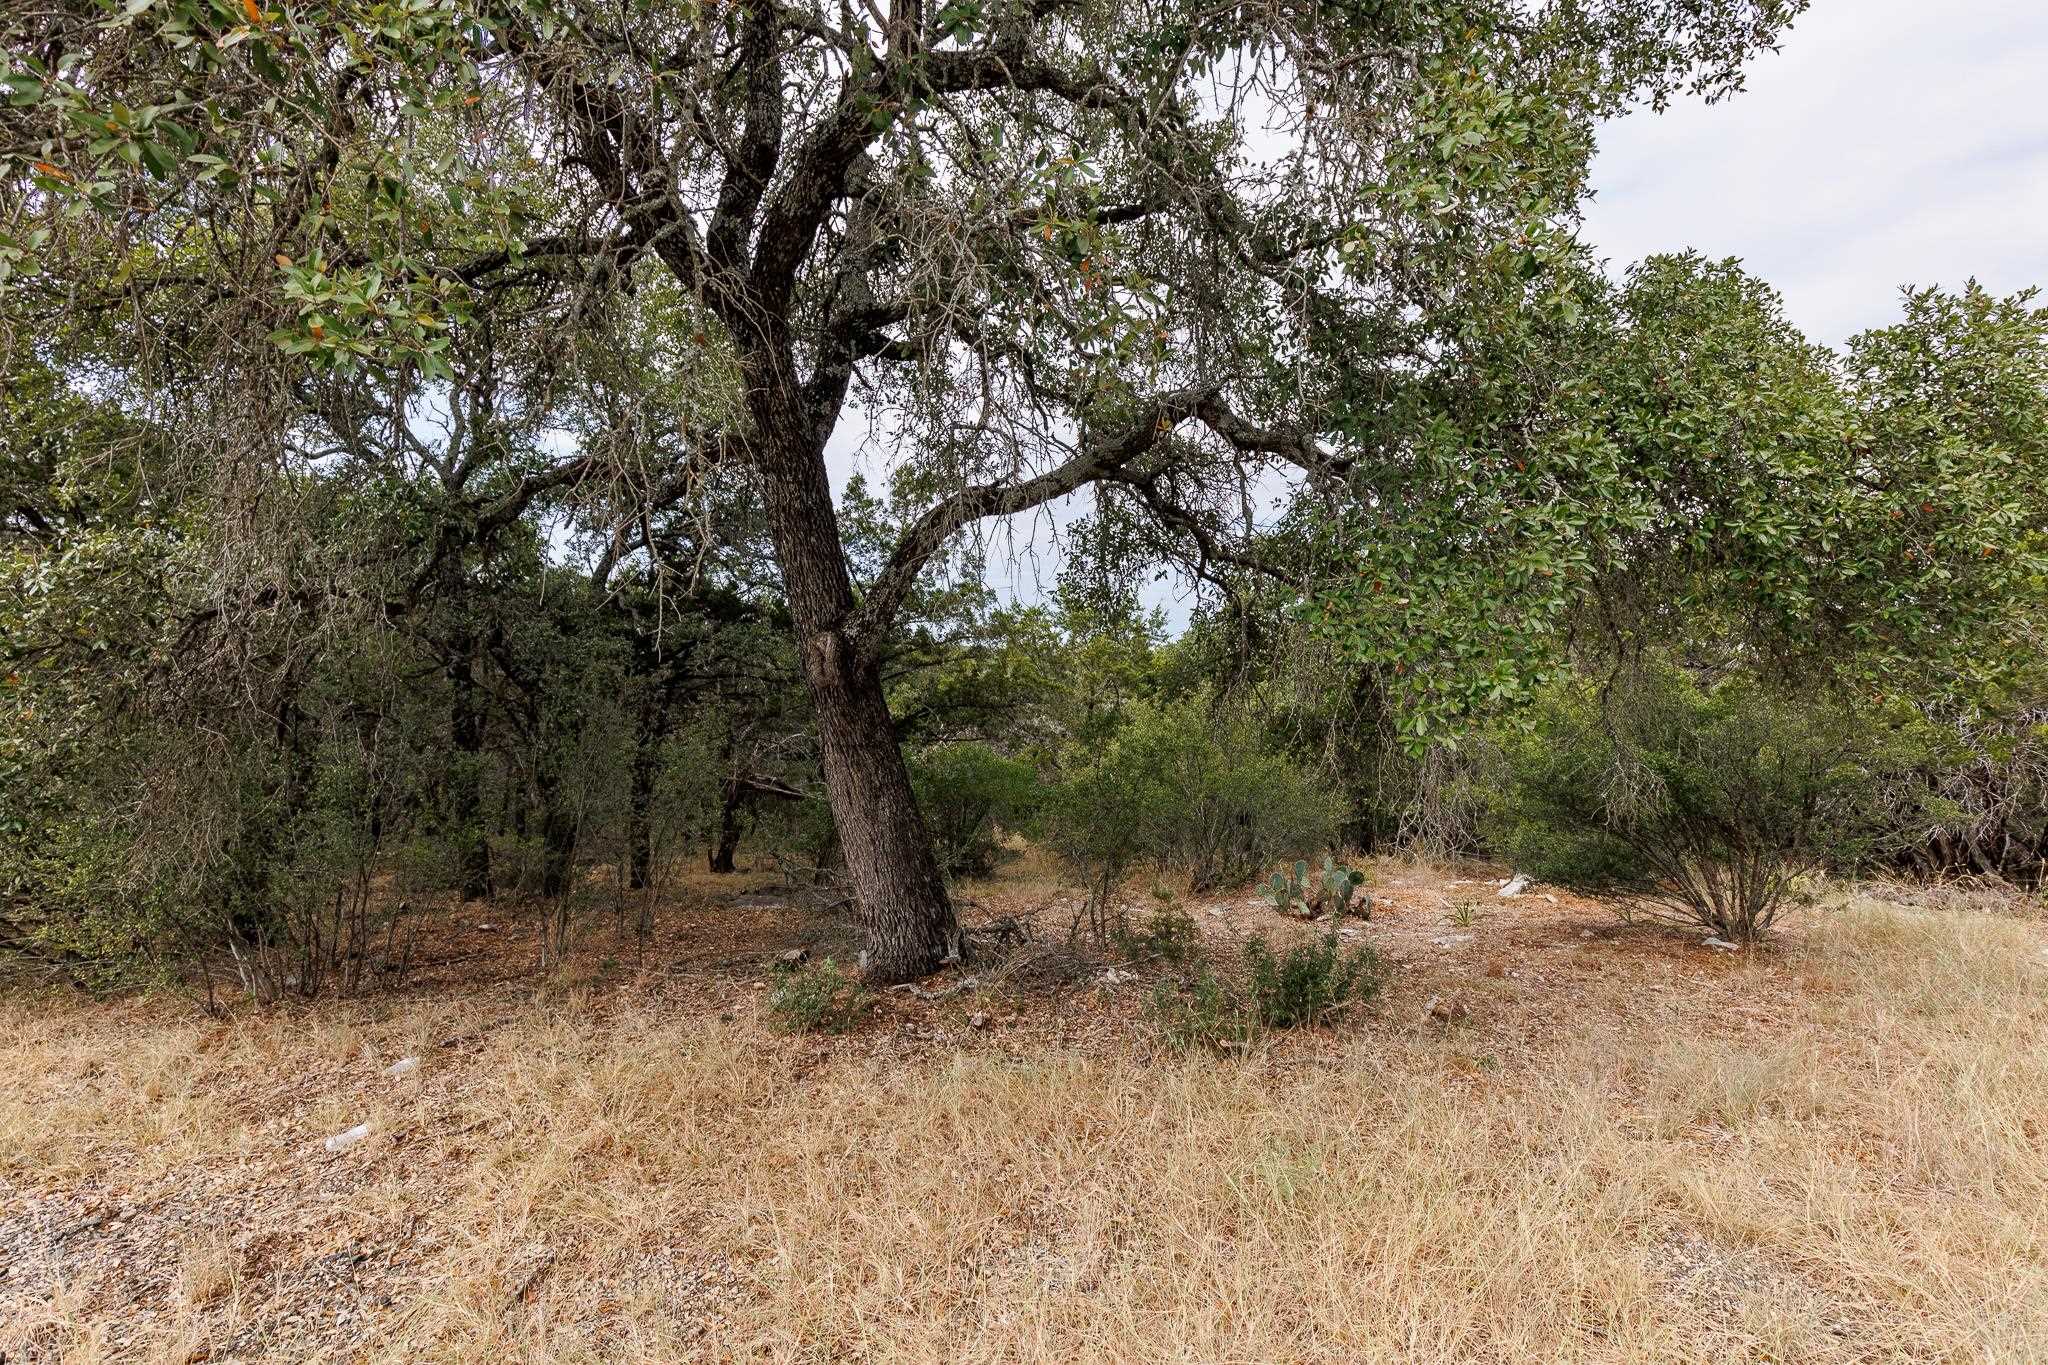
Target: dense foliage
[415,466]
[1707,797]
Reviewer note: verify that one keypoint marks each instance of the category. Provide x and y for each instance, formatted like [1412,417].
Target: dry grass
[1637,1151]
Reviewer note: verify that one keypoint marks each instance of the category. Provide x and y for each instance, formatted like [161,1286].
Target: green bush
[430,862]
[1705,799]
[1302,986]
[1169,933]
[1306,983]
[1190,787]
[818,999]
[1199,1013]
[968,793]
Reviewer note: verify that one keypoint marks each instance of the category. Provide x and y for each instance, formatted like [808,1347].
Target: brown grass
[1637,1150]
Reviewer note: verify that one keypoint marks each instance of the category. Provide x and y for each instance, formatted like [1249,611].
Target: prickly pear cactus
[1342,884]
[1289,893]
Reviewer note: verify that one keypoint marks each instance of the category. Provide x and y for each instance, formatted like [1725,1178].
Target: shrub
[1705,799]
[818,999]
[968,792]
[430,862]
[1304,985]
[1191,787]
[1199,1012]
[1169,932]
[1308,982]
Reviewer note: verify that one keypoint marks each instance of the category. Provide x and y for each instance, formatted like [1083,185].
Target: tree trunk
[896,882]
[728,829]
[466,731]
[901,897]
[641,874]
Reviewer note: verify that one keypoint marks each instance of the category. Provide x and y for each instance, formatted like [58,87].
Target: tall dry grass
[1860,1176]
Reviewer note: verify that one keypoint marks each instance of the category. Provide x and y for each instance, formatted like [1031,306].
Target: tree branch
[930,532]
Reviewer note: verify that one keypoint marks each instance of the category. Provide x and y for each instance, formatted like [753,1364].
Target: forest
[991,491]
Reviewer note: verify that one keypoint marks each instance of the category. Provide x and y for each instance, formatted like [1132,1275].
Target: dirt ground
[1552,1136]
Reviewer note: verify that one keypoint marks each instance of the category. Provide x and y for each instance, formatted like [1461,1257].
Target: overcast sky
[1890,142]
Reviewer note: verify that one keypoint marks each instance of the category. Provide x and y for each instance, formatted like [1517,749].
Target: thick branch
[746,179]
[930,532]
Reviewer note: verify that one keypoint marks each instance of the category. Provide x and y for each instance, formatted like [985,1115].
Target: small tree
[1705,799]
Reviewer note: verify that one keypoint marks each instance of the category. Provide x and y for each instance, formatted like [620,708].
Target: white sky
[1889,142]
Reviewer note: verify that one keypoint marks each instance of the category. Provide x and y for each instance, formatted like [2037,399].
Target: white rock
[1723,944]
[342,1141]
[1517,884]
[1451,940]
[402,1066]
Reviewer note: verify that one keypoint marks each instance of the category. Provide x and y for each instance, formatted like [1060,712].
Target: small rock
[1552,899]
[486,928]
[1451,940]
[1721,943]
[1586,933]
[1447,1010]
[402,1066]
[1115,977]
[1516,885]
[977,1020]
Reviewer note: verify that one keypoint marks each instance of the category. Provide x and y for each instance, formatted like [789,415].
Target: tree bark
[899,894]
[728,841]
[466,733]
